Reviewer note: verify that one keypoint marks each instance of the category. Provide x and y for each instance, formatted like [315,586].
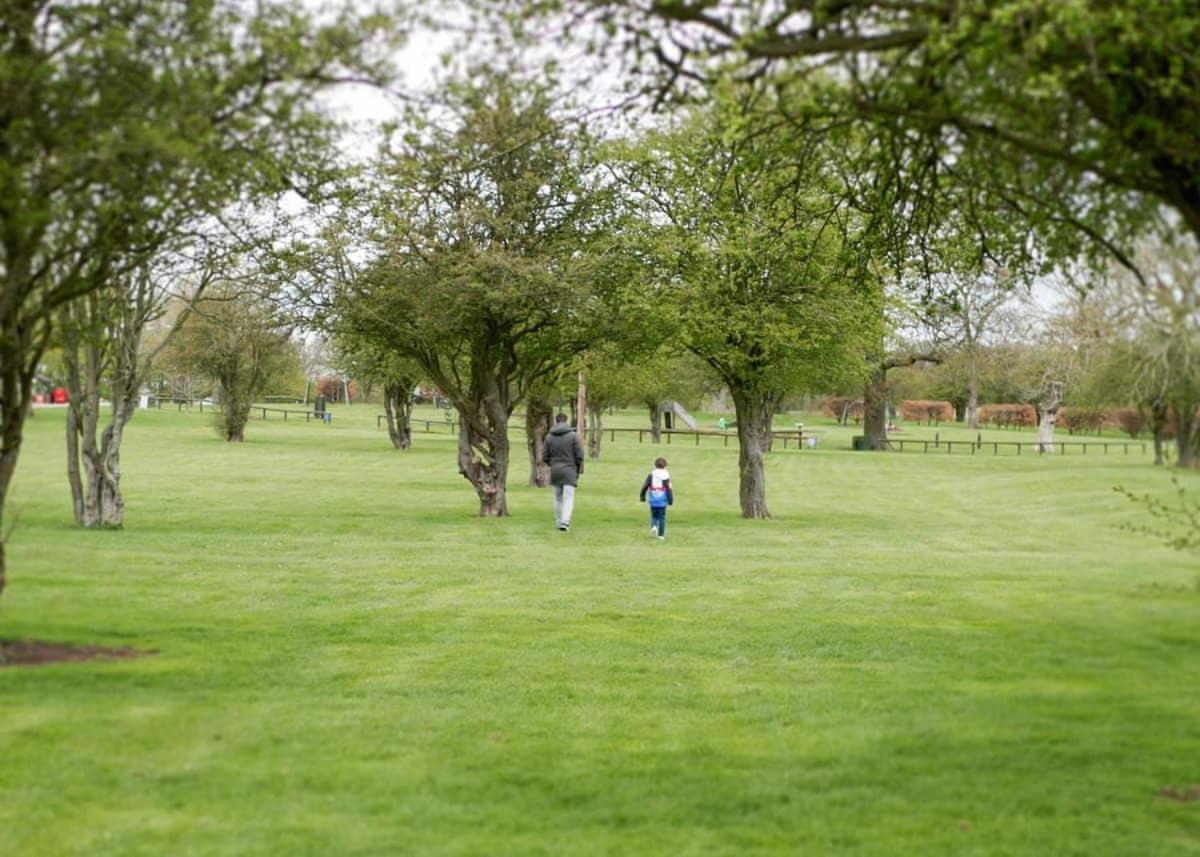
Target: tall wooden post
[581,411]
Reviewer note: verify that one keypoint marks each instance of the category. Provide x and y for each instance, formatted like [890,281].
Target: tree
[1167,343]
[236,338]
[104,341]
[399,377]
[750,262]
[539,419]
[971,309]
[484,266]
[609,383]
[123,121]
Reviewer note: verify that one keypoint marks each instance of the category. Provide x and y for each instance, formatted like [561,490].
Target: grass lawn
[919,654]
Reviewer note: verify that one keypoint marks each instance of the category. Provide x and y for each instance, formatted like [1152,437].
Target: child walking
[658,486]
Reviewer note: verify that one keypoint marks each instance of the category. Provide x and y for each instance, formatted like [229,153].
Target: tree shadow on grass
[35,653]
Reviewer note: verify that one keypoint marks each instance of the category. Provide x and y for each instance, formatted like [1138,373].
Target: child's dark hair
[660,462]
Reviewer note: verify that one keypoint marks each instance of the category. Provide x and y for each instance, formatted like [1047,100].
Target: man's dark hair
[561,418]
[660,462]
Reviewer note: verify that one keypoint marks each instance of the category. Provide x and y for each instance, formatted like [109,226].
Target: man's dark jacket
[564,453]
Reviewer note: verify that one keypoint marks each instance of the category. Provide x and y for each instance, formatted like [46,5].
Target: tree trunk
[237,397]
[1187,433]
[483,451]
[655,421]
[109,500]
[96,489]
[14,386]
[1160,415]
[595,425]
[971,413]
[754,411]
[539,418]
[875,410]
[74,431]
[234,422]
[397,403]
[1049,416]
[21,349]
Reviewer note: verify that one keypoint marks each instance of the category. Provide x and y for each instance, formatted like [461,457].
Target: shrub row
[916,410]
[1007,415]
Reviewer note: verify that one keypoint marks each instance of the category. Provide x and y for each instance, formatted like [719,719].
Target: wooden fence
[799,439]
[443,426]
[180,403]
[670,436]
[1034,447]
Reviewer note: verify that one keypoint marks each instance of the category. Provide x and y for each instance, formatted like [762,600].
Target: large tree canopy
[484,268]
[751,262]
[1105,95]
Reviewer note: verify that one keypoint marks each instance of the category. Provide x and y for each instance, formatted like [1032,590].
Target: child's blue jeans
[658,519]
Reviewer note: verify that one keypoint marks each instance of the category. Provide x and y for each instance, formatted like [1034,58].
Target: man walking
[564,454]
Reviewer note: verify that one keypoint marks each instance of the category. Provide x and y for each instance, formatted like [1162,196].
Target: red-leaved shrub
[916,410]
[1007,415]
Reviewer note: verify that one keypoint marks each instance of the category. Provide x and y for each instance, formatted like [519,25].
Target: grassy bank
[919,654]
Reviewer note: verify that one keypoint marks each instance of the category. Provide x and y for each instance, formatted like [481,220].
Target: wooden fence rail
[787,437]
[1034,446]
[179,402]
[158,401]
[450,427]
[800,439]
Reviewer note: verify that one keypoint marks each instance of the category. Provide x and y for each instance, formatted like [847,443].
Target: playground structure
[672,410]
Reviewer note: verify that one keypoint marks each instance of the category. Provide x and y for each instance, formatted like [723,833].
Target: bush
[1129,420]
[1008,415]
[1081,420]
[915,410]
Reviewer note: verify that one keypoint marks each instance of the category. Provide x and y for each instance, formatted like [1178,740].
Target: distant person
[563,453]
[658,487]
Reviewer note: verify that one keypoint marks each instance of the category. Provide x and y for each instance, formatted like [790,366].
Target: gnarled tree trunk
[483,455]
[875,410]
[875,396]
[971,412]
[88,351]
[655,421]
[1050,403]
[1187,432]
[754,412]
[234,414]
[16,401]
[539,418]
[397,404]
